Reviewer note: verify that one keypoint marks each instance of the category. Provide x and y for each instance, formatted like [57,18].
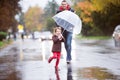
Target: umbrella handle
[63,31]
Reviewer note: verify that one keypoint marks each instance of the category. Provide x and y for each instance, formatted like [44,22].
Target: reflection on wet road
[8,63]
[96,73]
[92,60]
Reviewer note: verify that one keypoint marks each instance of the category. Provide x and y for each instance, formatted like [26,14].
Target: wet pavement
[8,59]
[92,60]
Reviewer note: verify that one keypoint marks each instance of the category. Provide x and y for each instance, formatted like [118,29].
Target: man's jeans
[68,40]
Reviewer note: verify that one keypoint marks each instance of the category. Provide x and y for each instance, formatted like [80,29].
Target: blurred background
[99,17]
[26,28]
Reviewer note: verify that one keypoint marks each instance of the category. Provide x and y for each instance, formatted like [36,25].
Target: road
[92,60]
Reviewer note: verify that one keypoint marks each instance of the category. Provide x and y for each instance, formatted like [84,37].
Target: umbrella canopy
[69,21]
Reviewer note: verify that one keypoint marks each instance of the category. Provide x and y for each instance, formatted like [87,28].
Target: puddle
[33,57]
[8,71]
[8,64]
[96,73]
[8,58]
[29,50]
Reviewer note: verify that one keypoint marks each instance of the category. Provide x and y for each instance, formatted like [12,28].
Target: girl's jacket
[56,43]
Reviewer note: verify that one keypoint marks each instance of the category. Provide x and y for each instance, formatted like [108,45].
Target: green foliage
[107,19]
[1,44]
[5,43]
[50,10]
[50,24]
[102,4]
[93,37]
[99,17]
[3,35]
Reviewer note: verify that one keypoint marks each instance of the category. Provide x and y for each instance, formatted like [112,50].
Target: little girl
[56,48]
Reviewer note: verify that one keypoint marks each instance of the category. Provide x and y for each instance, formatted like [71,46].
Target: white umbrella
[69,21]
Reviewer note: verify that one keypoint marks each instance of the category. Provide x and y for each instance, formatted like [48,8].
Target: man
[67,35]
[65,6]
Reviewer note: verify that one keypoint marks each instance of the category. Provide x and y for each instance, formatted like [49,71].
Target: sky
[27,3]
[42,3]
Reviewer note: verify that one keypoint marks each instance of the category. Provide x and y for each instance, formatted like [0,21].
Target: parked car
[46,35]
[116,36]
[35,35]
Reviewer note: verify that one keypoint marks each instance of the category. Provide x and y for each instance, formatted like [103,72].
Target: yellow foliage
[86,8]
[87,20]
[101,4]
[33,18]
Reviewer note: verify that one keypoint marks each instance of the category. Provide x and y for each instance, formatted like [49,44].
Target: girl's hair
[56,28]
[64,1]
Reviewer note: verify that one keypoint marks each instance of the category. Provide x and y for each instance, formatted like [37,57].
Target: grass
[1,43]
[4,43]
[94,37]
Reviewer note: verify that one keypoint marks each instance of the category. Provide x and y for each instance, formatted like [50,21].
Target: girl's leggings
[56,55]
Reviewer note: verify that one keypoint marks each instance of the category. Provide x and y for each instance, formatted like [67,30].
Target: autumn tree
[34,18]
[84,9]
[106,15]
[8,10]
[99,16]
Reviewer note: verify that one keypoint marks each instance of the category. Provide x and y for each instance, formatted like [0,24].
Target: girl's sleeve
[63,39]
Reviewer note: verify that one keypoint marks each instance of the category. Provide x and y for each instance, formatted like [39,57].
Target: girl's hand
[60,37]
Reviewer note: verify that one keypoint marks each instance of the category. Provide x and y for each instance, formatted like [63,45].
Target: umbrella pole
[63,31]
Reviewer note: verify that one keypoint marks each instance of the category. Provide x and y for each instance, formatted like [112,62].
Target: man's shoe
[68,62]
